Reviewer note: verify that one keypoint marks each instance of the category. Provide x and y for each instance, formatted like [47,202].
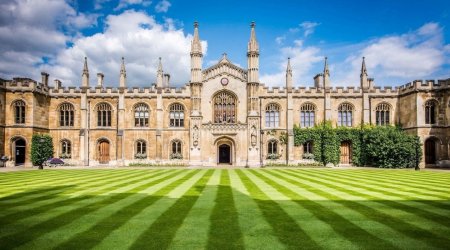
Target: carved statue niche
[195,136]
[253,136]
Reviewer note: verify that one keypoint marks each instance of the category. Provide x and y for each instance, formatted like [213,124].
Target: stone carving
[195,136]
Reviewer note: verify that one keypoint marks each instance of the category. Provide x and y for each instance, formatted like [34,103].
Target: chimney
[44,78]
[318,79]
[57,84]
[100,80]
[166,80]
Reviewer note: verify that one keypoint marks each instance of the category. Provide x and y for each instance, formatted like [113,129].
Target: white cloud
[280,39]
[126,3]
[302,60]
[137,37]
[162,6]
[308,27]
[32,33]
[409,56]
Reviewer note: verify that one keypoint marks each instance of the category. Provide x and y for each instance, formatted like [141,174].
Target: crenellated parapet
[424,85]
[19,84]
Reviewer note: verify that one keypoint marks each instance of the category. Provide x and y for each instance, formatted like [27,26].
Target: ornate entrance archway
[225,151]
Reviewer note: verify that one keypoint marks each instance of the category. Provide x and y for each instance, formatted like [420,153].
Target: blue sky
[401,40]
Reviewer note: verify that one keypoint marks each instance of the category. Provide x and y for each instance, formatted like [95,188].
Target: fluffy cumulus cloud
[137,37]
[163,6]
[32,30]
[303,59]
[414,55]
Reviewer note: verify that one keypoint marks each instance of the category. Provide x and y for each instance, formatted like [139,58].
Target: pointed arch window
[345,115]
[66,149]
[66,115]
[19,112]
[176,150]
[272,115]
[104,112]
[176,115]
[382,114]
[307,115]
[430,112]
[272,147]
[141,149]
[224,107]
[141,115]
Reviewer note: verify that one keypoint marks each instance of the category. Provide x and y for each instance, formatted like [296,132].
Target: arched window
[19,112]
[345,115]
[176,115]
[141,150]
[307,115]
[382,113]
[66,149]
[104,115]
[272,115]
[141,115]
[272,147]
[224,107]
[176,152]
[308,147]
[430,112]
[66,115]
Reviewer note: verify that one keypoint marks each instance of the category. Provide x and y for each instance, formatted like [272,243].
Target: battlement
[424,85]
[24,84]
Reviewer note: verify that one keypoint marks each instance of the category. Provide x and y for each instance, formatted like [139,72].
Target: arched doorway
[103,151]
[430,151]
[19,147]
[224,152]
[346,152]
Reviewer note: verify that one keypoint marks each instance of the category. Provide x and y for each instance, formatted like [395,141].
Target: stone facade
[224,115]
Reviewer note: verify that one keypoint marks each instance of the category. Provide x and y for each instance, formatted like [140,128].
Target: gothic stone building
[224,115]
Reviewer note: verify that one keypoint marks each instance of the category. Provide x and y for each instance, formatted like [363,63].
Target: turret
[326,75]
[123,75]
[253,56]
[196,57]
[85,75]
[363,76]
[289,76]
[159,75]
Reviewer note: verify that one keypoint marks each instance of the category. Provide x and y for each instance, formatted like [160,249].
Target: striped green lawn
[224,209]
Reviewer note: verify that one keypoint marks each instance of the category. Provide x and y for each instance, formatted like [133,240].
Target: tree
[41,149]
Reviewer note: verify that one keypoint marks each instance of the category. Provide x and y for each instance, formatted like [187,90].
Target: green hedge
[381,146]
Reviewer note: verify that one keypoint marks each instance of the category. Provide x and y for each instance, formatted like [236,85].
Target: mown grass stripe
[42,193]
[224,231]
[343,227]
[359,213]
[165,227]
[396,222]
[56,200]
[373,193]
[389,178]
[126,235]
[257,232]
[285,227]
[90,229]
[193,233]
[25,232]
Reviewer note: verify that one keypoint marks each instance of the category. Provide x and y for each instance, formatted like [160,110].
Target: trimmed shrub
[41,149]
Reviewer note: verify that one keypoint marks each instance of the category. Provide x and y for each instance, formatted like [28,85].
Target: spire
[326,74]
[289,76]
[196,46]
[363,67]
[326,71]
[253,44]
[363,76]
[85,74]
[123,74]
[159,75]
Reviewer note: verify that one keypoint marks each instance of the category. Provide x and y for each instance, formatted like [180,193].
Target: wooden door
[345,152]
[103,152]
[430,152]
